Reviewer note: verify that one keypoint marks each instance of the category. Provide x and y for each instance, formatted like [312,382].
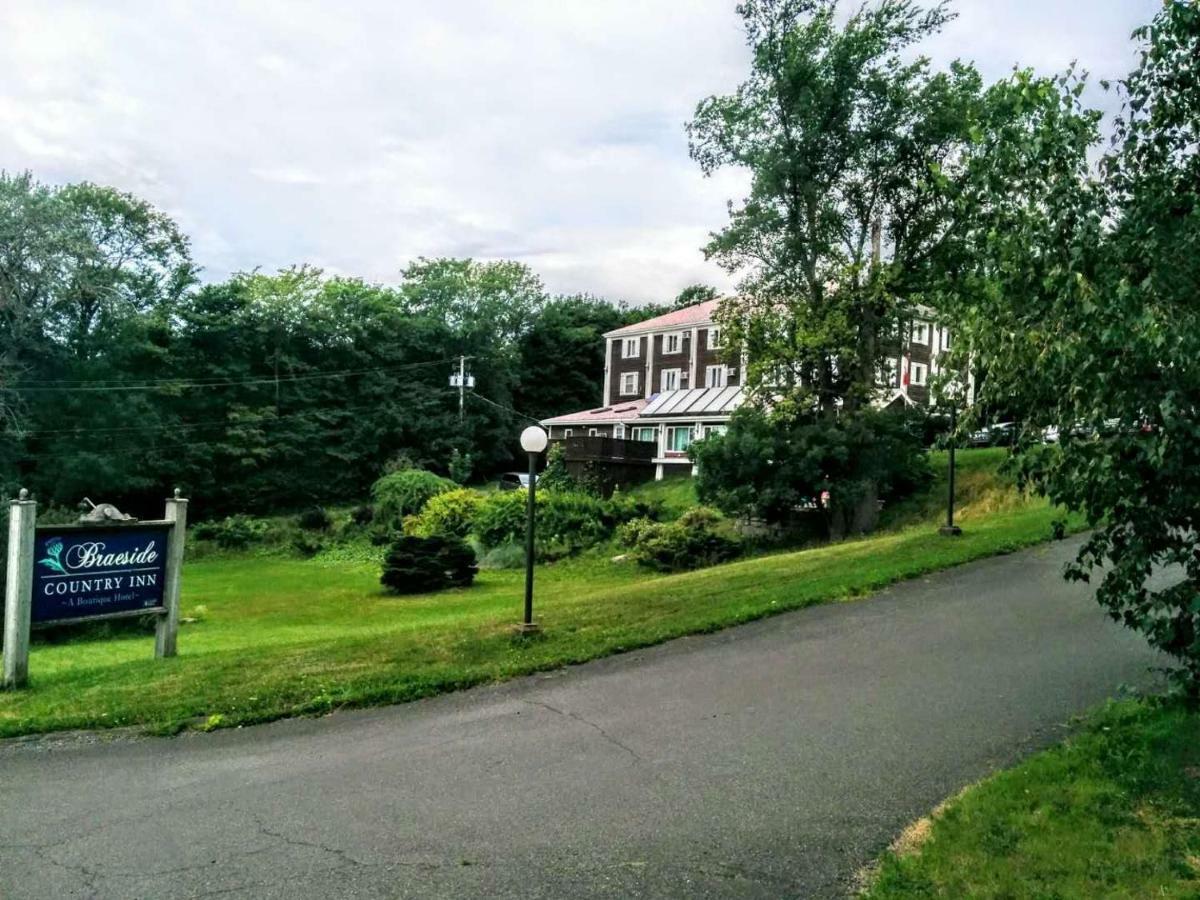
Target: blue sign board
[98,571]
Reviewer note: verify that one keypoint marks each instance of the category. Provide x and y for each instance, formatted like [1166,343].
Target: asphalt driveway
[771,760]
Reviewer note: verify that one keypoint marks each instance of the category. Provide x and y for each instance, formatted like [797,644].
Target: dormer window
[631,348]
[673,343]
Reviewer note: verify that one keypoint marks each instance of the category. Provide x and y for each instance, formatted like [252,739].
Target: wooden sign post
[18,590]
[107,569]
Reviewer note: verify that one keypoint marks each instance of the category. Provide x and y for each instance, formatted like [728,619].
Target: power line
[182,445]
[67,386]
[503,407]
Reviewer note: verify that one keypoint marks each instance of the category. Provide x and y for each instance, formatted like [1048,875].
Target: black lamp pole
[533,442]
[528,625]
[950,529]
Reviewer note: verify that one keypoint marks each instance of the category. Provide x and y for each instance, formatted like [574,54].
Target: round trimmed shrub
[418,565]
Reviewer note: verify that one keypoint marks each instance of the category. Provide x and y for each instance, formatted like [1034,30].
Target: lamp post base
[527,628]
[950,531]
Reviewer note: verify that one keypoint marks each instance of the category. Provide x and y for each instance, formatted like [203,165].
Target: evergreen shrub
[417,565]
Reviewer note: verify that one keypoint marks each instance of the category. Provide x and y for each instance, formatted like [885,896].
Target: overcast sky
[359,135]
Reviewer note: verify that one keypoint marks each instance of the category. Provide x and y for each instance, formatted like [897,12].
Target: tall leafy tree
[1082,305]
[853,145]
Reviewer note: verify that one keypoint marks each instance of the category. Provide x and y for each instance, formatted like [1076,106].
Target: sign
[84,572]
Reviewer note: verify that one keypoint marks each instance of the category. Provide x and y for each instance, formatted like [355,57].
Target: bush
[699,538]
[363,515]
[773,465]
[307,545]
[416,565]
[501,517]
[452,513]
[555,477]
[404,493]
[621,508]
[565,520]
[634,532]
[314,519]
[233,532]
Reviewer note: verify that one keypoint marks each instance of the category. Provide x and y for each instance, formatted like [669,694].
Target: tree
[852,149]
[562,355]
[1082,306]
[125,258]
[696,293]
[486,302]
[774,466]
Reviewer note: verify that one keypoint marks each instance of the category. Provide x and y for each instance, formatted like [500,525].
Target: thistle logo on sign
[91,572]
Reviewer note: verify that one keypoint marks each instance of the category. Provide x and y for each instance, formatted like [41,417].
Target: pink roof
[604,415]
[700,314]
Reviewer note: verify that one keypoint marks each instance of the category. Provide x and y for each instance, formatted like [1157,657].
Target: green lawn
[1114,813]
[277,636]
[675,495]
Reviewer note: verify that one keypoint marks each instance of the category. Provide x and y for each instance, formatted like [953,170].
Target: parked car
[1001,434]
[513,481]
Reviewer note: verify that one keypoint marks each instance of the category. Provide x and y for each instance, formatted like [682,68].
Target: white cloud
[359,136]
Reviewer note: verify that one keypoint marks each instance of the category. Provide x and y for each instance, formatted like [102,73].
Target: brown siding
[709,356]
[681,360]
[618,367]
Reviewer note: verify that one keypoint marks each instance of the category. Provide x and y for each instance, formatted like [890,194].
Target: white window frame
[567,432]
[638,429]
[628,379]
[714,339]
[673,343]
[593,432]
[721,373]
[918,374]
[921,333]
[663,378]
[619,430]
[668,442]
[718,428]
[631,348]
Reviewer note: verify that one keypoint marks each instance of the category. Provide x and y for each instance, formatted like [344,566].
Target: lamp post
[950,529]
[533,442]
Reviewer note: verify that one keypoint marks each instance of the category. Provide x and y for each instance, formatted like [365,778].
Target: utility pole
[462,381]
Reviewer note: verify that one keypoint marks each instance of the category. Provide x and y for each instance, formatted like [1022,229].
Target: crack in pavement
[578,718]
[297,842]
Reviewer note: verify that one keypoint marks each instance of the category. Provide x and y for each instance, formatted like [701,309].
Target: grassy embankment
[1113,812]
[277,636]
